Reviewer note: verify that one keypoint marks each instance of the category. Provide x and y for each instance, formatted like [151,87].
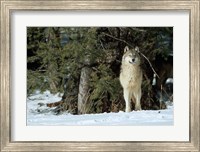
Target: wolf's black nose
[133,60]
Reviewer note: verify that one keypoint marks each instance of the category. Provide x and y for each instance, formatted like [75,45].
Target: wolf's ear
[126,49]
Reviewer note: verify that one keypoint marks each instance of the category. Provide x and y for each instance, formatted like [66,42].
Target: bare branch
[118,39]
[150,64]
[137,51]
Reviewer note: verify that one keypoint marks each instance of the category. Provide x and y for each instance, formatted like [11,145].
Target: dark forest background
[83,63]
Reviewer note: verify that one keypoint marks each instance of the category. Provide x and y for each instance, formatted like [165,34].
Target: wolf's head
[131,56]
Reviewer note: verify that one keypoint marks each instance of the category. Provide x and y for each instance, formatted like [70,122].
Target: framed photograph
[99,75]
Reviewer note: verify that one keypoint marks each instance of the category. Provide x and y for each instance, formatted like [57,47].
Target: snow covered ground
[38,115]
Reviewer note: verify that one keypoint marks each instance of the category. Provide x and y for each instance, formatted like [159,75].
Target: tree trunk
[84,90]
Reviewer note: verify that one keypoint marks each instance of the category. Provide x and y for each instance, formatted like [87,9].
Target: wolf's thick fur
[131,78]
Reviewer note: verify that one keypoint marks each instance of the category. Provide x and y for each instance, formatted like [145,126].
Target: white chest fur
[130,75]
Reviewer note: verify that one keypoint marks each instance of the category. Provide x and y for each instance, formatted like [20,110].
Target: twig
[161,97]
[102,45]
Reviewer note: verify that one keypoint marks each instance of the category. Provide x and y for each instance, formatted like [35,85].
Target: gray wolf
[131,78]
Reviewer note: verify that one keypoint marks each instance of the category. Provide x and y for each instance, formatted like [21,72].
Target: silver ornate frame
[7,6]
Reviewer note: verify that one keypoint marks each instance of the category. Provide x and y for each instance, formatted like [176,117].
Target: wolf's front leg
[138,97]
[127,100]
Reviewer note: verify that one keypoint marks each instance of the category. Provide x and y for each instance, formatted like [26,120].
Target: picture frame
[8,6]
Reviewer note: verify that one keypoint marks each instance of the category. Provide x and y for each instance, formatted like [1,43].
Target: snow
[39,114]
[169,80]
